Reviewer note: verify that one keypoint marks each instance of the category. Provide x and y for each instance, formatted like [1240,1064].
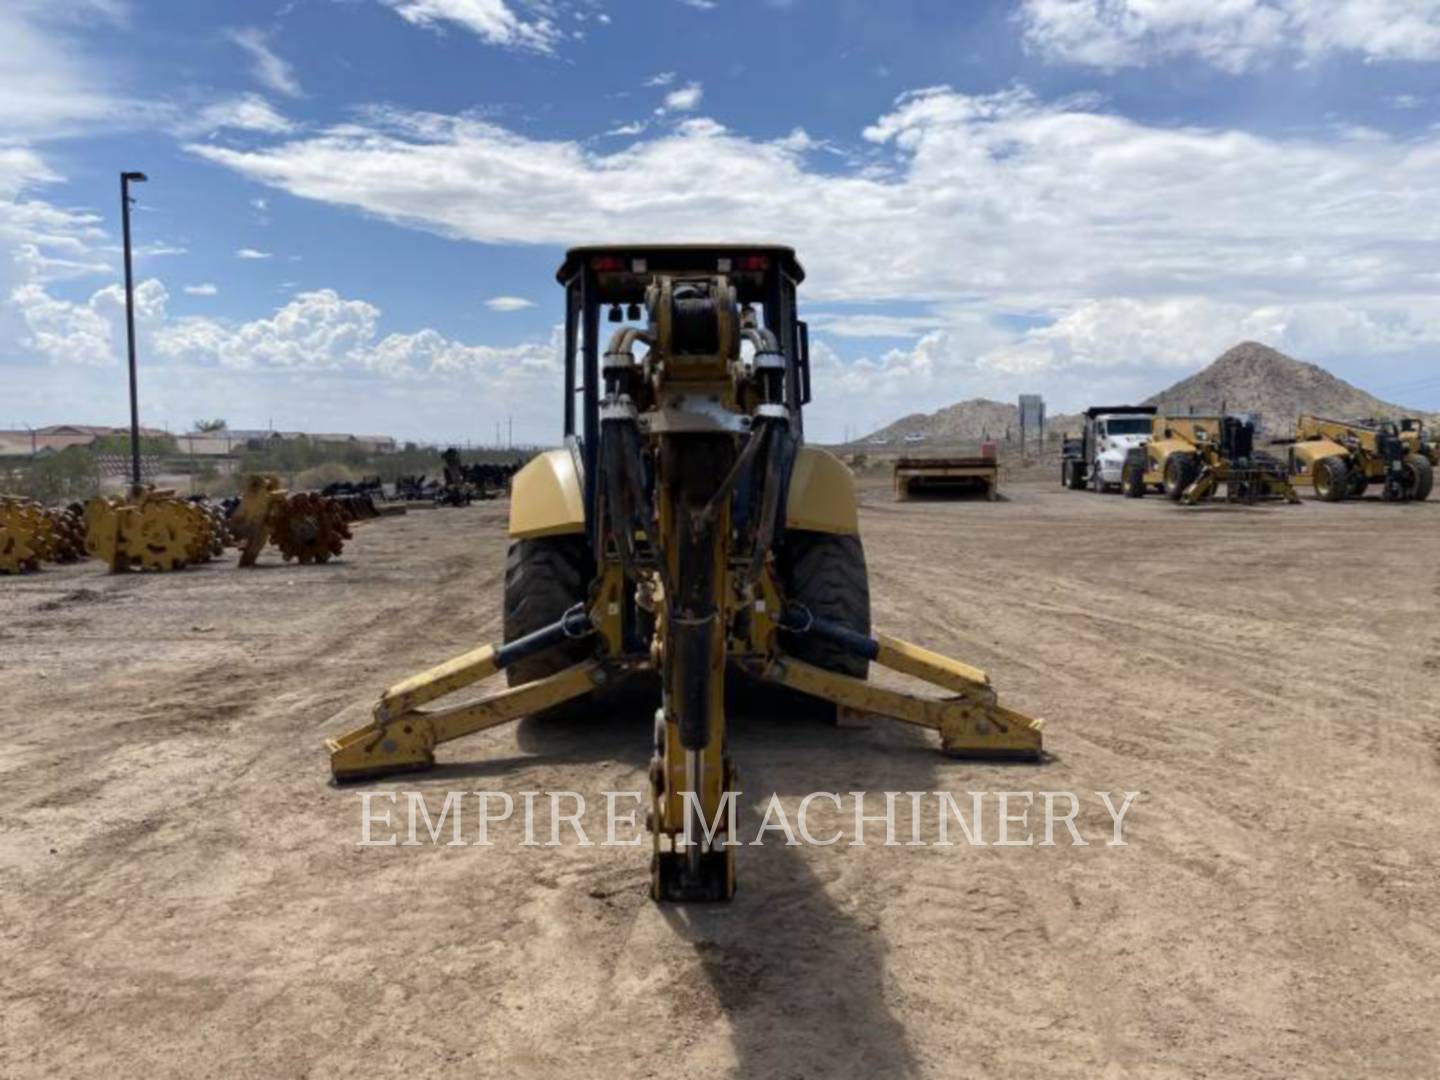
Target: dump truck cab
[1097,457]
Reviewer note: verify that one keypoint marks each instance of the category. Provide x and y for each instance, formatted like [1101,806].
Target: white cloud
[251,253]
[1132,249]
[1029,205]
[701,5]
[319,361]
[64,332]
[508,303]
[494,21]
[267,67]
[51,86]
[1233,35]
[685,99]
[248,112]
[662,78]
[871,324]
[204,289]
[635,127]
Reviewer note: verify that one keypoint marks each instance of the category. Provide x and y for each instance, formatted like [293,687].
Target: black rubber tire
[1359,484]
[1132,481]
[1419,477]
[1181,469]
[826,573]
[1331,479]
[544,578]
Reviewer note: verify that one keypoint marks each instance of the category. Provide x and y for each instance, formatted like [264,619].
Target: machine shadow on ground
[783,931]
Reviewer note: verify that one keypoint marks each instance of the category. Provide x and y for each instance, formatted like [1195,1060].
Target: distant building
[27,442]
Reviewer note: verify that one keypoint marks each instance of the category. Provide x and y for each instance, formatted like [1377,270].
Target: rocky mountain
[1255,378]
[978,418]
[1249,378]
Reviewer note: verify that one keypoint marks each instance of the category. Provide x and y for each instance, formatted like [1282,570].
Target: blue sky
[356,206]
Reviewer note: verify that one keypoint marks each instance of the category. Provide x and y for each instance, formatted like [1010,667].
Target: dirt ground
[182,894]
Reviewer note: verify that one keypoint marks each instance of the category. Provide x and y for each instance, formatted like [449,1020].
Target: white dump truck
[1097,458]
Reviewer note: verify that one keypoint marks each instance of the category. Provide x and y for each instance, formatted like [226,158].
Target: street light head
[135,177]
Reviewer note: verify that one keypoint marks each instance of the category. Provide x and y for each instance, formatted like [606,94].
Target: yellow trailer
[947,476]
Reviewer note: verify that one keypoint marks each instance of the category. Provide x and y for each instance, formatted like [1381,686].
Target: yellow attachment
[972,723]
[21,542]
[405,741]
[260,499]
[106,522]
[440,680]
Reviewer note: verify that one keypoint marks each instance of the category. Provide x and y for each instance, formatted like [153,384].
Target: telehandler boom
[684,529]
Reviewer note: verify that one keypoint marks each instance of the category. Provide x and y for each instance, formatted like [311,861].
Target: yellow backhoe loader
[1190,458]
[684,529]
[1340,459]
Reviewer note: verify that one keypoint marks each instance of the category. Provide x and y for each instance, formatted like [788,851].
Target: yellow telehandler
[1340,459]
[685,529]
[1190,458]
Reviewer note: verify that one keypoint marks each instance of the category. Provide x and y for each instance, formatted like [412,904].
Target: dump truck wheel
[1419,477]
[1180,472]
[1332,479]
[827,574]
[1359,484]
[544,578]
[1132,482]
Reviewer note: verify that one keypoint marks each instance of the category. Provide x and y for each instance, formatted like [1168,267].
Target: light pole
[126,179]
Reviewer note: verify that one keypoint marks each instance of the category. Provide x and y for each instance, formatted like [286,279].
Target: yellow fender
[545,496]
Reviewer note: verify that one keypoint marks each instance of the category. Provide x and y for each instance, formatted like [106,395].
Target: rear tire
[1331,479]
[826,573]
[544,578]
[1420,477]
[1181,469]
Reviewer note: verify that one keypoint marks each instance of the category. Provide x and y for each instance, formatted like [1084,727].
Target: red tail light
[605,263]
[753,262]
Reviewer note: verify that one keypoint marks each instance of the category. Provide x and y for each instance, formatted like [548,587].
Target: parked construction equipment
[978,475]
[151,531]
[21,536]
[684,529]
[1340,459]
[305,526]
[1417,439]
[1190,458]
[1097,458]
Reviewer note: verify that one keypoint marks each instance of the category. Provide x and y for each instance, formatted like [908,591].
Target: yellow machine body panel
[546,500]
[822,494]
[545,497]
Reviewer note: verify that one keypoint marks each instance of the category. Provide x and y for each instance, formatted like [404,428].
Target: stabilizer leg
[972,723]
[403,736]
[406,741]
